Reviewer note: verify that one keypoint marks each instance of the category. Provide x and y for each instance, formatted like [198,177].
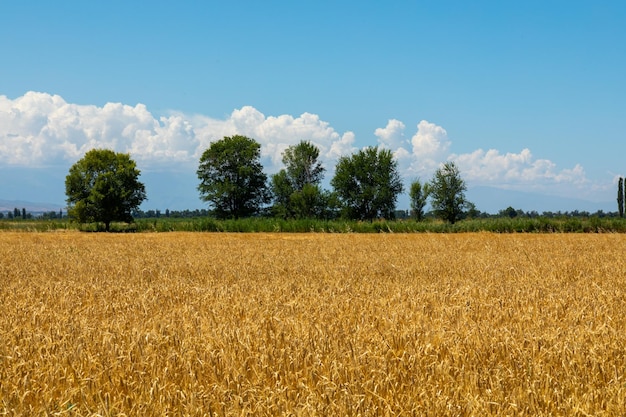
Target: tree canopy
[418,195]
[231,177]
[103,187]
[302,165]
[447,191]
[368,184]
[296,188]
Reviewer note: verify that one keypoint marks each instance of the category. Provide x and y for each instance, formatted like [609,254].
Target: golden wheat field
[197,324]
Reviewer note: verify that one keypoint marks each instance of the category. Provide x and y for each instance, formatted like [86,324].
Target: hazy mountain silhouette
[31,207]
[492,200]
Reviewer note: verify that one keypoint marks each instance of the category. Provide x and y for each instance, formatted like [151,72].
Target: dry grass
[329,325]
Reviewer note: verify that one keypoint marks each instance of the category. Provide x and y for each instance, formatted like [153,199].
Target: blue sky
[525,96]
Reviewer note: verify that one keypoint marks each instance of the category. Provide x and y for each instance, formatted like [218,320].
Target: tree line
[22,214]
[104,185]
[365,186]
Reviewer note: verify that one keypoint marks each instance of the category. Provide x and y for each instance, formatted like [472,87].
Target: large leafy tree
[103,187]
[231,177]
[447,192]
[296,188]
[368,184]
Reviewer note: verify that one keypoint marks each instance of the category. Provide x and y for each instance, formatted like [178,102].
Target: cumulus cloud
[42,129]
[392,135]
[39,129]
[275,133]
[512,170]
[419,156]
[430,140]
[430,147]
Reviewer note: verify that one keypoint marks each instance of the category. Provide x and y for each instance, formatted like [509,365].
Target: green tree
[309,202]
[103,187]
[471,211]
[368,184]
[231,177]
[418,195]
[620,196]
[295,188]
[282,190]
[447,191]
[302,165]
[508,212]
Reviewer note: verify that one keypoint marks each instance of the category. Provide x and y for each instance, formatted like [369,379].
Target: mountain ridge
[492,200]
[30,206]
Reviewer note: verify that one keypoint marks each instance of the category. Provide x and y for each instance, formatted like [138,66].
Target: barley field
[200,324]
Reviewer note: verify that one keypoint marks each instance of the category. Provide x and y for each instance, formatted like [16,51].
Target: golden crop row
[312,324]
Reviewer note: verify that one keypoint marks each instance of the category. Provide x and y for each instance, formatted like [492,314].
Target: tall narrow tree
[620,196]
[418,195]
[447,191]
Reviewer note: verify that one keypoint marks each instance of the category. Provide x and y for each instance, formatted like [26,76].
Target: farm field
[202,324]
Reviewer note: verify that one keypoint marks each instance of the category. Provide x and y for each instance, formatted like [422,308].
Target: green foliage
[103,187]
[231,177]
[295,188]
[368,184]
[447,191]
[493,225]
[620,197]
[302,165]
[519,224]
[508,212]
[281,190]
[309,202]
[418,195]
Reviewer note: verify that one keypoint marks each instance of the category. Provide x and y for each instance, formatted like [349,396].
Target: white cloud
[430,141]
[42,129]
[431,147]
[516,170]
[344,146]
[420,156]
[276,133]
[392,135]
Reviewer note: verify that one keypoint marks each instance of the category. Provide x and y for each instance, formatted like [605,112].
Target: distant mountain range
[31,207]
